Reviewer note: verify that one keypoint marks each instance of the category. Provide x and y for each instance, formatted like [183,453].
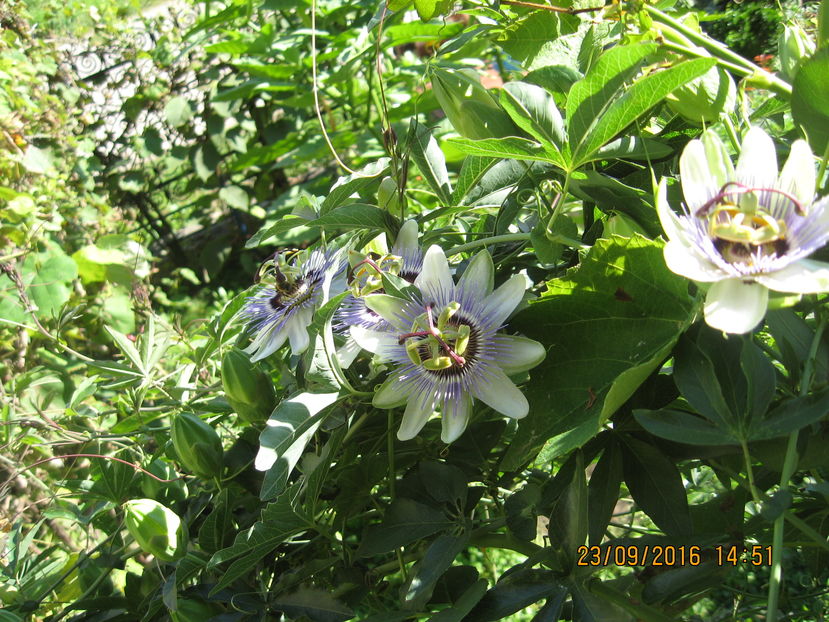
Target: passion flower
[447,346]
[746,230]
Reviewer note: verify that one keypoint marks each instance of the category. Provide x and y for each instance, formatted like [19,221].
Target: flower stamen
[430,347]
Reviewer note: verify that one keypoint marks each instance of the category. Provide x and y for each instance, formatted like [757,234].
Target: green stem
[565,187]
[681,49]
[720,51]
[789,466]
[750,472]
[496,239]
[732,133]
[822,167]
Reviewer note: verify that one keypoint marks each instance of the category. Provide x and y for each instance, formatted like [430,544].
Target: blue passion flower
[447,348]
[284,310]
[746,230]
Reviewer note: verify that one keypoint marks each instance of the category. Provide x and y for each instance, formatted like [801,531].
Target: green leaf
[459,610]
[535,111]
[590,96]
[49,287]
[698,381]
[127,348]
[426,9]
[278,522]
[351,184]
[356,216]
[235,196]
[620,310]
[570,514]
[314,604]
[514,592]
[431,163]
[532,40]
[656,486]
[37,160]
[178,111]
[425,574]
[405,521]
[472,171]
[682,427]
[634,148]
[792,414]
[511,147]
[287,432]
[611,196]
[810,99]
[217,528]
[640,97]
[603,492]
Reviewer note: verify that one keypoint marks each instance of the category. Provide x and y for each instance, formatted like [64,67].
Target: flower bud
[793,46]
[705,98]
[197,445]
[470,108]
[248,389]
[387,196]
[157,529]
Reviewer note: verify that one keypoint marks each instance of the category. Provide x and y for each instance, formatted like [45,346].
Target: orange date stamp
[671,555]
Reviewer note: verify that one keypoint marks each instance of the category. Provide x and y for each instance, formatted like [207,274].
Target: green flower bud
[793,46]
[197,445]
[249,390]
[470,108]
[387,196]
[157,529]
[705,98]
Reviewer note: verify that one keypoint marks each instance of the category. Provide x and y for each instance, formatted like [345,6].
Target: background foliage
[140,197]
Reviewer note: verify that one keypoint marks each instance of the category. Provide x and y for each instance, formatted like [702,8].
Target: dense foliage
[341,310]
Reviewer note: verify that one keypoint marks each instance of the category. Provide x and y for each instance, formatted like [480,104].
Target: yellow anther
[462,341]
[438,363]
[448,311]
[413,351]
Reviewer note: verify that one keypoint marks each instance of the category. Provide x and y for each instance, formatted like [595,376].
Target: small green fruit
[248,389]
[156,528]
[197,445]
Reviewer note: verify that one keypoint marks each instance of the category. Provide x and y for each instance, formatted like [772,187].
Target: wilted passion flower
[284,310]
[447,346]
[746,231]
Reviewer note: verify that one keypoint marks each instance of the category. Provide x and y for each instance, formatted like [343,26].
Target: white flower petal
[391,393]
[266,343]
[798,176]
[719,162]
[388,307]
[757,165]
[297,330]
[503,300]
[671,223]
[685,261]
[479,275]
[406,238]
[698,183]
[518,354]
[348,352]
[454,419]
[435,276]
[734,306]
[498,392]
[417,413]
[802,277]
[372,340]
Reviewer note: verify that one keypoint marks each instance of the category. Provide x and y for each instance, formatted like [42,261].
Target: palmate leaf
[607,325]
[279,522]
